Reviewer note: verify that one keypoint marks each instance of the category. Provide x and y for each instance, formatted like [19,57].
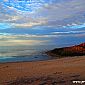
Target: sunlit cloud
[28,24]
[20,42]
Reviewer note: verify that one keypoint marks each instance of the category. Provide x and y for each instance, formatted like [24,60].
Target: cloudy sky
[40,22]
[46,13]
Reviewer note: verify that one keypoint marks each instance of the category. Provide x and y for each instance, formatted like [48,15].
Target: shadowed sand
[51,72]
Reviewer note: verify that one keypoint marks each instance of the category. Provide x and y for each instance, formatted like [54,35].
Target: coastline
[58,71]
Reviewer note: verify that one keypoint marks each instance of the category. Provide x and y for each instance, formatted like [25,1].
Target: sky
[41,22]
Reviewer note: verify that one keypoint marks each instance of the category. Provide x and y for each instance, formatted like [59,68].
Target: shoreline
[62,71]
[29,59]
[54,58]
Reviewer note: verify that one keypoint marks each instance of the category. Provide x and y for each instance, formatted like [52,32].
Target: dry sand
[51,72]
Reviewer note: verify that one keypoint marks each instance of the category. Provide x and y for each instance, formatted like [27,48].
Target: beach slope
[51,72]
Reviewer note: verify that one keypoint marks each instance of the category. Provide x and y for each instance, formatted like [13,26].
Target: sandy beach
[51,72]
[42,42]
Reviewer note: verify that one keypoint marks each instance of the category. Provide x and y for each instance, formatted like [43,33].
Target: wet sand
[50,72]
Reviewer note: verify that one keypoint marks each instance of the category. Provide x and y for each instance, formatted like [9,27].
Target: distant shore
[76,50]
[51,72]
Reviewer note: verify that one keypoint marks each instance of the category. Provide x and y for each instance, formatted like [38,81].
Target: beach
[61,71]
[42,42]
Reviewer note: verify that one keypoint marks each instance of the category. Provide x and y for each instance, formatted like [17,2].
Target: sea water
[31,45]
